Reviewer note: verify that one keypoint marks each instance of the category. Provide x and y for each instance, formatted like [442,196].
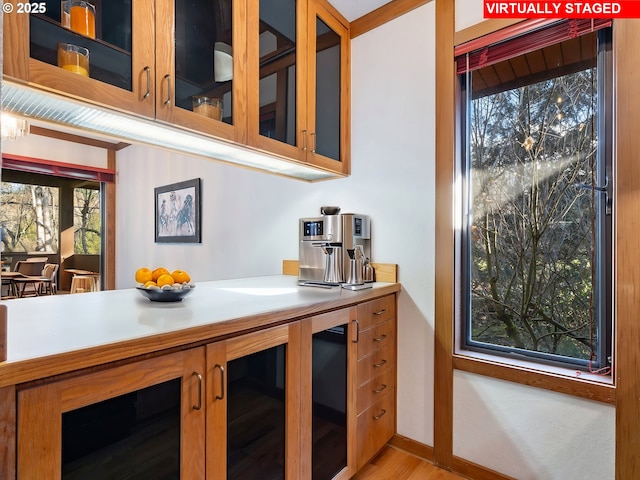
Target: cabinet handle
[168,79]
[304,140]
[199,377]
[357,331]
[221,368]
[147,70]
[378,365]
[380,338]
[380,415]
[381,389]
[314,142]
[380,312]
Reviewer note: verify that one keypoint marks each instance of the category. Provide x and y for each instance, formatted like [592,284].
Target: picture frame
[177,212]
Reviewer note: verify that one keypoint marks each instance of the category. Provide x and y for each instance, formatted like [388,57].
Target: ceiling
[354,9]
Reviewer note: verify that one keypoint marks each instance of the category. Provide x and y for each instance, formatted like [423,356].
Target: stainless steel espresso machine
[334,249]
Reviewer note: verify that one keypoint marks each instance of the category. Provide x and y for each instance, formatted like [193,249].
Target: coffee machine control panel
[312,228]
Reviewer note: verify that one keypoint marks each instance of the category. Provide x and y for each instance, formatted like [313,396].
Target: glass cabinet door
[329,394]
[253,407]
[86,49]
[277,64]
[137,421]
[327,119]
[197,73]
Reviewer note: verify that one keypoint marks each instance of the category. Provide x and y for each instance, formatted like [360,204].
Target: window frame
[499,361]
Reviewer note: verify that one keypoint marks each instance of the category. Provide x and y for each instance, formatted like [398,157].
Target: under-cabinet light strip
[45,106]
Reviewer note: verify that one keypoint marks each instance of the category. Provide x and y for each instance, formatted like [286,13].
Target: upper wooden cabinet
[275,72]
[298,78]
[121,57]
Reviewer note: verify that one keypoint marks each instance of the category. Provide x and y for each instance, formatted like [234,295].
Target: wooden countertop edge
[19,372]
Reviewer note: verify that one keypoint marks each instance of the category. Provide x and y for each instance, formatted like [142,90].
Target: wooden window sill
[563,380]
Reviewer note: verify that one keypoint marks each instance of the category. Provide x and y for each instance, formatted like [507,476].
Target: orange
[165,279]
[150,283]
[180,276]
[143,275]
[157,272]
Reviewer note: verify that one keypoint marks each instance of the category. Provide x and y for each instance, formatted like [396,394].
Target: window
[29,218]
[87,221]
[535,245]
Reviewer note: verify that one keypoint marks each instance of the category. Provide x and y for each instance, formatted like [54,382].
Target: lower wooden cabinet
[141,420]
[311,399]
[374,347]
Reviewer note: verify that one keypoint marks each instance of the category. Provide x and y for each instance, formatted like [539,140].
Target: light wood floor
[394,464]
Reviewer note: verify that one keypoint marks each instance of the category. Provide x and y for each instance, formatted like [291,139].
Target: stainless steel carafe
[356,266]
[332,264]
[368,272]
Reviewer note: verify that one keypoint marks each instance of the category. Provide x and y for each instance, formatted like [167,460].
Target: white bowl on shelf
[222,62]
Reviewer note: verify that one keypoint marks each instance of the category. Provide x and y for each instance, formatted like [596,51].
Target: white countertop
[51,326]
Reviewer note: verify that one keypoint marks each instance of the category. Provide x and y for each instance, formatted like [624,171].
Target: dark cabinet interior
[109,52]
[329,390]
[256,417]
[133,436]
[202,30]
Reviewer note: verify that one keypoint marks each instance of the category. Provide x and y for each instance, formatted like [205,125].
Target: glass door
[329,393]
[276,75]
[138,421]
[328,91]
[253,406]
[199,73]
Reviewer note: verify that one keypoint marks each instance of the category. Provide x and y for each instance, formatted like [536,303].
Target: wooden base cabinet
[374,347]
[313,399]
[370,329]
[141,420]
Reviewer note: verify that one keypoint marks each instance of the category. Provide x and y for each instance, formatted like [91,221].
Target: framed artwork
[177,209]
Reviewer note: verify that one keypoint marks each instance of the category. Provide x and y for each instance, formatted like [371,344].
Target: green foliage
[87,221]
[29,218]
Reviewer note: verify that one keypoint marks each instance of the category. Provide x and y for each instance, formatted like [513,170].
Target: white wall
[524,432]
[46,148]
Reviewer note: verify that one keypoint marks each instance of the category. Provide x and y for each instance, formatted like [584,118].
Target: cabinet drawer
[376,363]
[376,388]
[376,311]
[376,337]
[376,425]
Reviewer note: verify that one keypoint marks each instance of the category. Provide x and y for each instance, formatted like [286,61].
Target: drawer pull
[357,331]
[378,365]
[380,338]
[199,377]
[380,415]
[221,368]
[380,312]
[381,389]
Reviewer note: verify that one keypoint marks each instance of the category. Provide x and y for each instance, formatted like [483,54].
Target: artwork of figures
[177,211]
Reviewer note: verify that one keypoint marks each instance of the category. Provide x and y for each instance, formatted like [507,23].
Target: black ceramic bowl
[168,295]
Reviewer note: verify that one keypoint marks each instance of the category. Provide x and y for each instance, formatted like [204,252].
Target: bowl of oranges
[161,285]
